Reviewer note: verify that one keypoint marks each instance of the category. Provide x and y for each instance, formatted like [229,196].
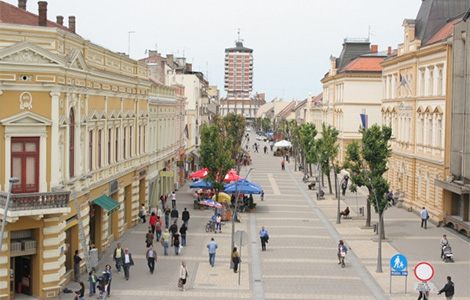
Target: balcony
[35,204]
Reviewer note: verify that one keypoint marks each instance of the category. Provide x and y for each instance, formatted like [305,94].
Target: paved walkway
[300,261]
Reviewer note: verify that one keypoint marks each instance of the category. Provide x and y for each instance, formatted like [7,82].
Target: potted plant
[251,204]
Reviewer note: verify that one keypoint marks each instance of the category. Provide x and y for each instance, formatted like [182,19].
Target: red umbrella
[199,174]
[232,176]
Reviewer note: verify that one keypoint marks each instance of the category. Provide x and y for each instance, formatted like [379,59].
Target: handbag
[180,283]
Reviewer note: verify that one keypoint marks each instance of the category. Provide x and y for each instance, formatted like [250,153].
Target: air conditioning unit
[177,185]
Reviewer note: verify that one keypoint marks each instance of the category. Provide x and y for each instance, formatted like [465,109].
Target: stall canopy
[201,184]
[283,143]
[243,186]
[232,176]
[199,174]
[107,203]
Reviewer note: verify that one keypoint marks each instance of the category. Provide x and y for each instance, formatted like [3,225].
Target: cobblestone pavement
[300,261]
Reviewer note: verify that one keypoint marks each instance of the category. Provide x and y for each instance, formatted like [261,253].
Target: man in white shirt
[173,199]
[424,218]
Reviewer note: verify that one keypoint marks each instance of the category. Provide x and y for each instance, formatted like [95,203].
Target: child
[93,279]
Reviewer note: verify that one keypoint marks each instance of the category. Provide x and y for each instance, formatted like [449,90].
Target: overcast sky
[292,40]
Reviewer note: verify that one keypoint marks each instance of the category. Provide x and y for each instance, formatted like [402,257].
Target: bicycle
[210,226]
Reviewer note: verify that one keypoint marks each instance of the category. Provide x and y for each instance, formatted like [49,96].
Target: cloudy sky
[292,40]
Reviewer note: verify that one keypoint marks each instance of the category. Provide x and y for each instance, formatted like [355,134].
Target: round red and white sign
[424,271]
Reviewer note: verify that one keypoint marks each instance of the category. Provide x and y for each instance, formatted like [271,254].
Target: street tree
[327,151]
[216,152]
[234,128]
[308,132]
[368,164]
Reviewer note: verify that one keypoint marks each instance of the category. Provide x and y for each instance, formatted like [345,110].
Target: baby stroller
[448,256]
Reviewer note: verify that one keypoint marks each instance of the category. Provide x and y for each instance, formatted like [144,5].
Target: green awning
[107,203]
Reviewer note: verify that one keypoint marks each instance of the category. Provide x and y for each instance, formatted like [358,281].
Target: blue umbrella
[201,184]
[243,186]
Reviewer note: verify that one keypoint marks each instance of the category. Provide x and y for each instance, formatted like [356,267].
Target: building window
[124,143]
[99,148]
[429,131]
[90,150]
[71,143]
[431,82]
[140,139]
[419,182]
[109,145]
[421,82]
[438,141]
[130,141]
[440,82]
[116,146]
[25,164]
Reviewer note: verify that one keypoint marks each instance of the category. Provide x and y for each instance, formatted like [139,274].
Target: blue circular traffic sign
[398,262]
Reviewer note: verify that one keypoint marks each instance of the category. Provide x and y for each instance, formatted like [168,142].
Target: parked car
[261,138]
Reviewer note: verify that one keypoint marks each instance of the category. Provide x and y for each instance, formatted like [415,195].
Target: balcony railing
[31,201]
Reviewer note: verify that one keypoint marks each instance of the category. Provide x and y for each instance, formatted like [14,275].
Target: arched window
[71,143]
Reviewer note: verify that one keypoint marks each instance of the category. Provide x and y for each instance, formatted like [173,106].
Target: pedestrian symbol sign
[398,262]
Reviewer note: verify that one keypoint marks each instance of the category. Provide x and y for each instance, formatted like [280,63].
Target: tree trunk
[382,227]
[329,183]
[368,212]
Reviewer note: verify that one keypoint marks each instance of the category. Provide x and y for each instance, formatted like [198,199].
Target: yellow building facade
[416,90]
[74,129]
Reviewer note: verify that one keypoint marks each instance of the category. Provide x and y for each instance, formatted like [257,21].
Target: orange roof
[444,33]
[364,64]
[11,14]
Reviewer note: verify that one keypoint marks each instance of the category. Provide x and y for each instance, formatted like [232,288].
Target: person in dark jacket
[185,217]
[118,256]
[448,289]
[174,215]
[76,266]
[183,229]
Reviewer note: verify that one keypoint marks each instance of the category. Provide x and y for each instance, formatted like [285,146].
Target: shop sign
[180,163]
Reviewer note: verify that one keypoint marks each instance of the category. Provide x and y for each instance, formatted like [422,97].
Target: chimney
[389,51]
[42,20]
[189,67]
[60,20]
[22,4]
[153,53]
[169,60]
[374,48]
[72,24]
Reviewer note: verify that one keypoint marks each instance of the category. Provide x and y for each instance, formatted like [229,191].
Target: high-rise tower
[238,80]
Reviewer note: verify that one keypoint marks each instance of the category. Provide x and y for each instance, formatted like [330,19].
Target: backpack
[173,228]
[158,225]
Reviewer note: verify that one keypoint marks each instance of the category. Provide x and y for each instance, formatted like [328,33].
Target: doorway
[22,274]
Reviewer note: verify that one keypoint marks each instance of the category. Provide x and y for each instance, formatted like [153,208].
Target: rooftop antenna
[239,39]
[369,34]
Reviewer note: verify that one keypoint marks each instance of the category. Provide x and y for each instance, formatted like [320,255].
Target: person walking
[264,236]
[283,165]
[183,230]
[444,243]
[448,289]
[153,221]
[212,246]
[173,229]
[173,199]
[341,249]
[167,217]
[235,259]
[174,215]
[163,199]
[80,294]
[185,217]
[151,257]
[143,213]
[149,238]
[76,266]
[176,242]
[128,262]
[158,229]
[265,149]
[118,255]
[262,195]
[166,241]
[183,275]
[423,295]
[218,223]
[105,282]
[424,217]
[92,278]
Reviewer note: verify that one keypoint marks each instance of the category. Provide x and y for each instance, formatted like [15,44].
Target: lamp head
[14,180]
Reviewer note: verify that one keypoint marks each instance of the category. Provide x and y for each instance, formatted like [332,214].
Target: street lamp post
[234,214]
[13,180]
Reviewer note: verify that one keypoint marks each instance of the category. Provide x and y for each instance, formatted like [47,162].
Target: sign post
[398,265]
[424,272]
